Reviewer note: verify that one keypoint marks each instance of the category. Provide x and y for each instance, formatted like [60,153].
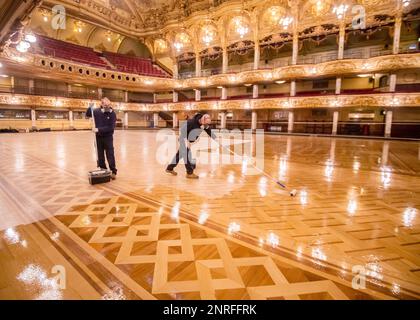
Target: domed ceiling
[140,15]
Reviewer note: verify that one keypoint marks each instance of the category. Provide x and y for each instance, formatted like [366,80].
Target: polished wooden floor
[149,235]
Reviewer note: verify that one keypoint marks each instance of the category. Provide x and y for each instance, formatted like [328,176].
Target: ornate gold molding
[332,101]
[46,67]
[389,100]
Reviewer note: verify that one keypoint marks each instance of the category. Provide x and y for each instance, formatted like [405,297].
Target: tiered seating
[64,50]
[136,65]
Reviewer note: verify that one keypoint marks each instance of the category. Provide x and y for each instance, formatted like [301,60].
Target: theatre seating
[69,51]
[136,65]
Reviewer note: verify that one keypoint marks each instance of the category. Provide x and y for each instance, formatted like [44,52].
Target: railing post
[388,124]
[33,119]
[290,122]
[335,123]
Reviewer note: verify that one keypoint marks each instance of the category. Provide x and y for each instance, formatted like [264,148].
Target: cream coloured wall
[15,124]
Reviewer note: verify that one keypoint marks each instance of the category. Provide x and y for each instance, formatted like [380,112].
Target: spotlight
[23,46]
[280,81]
[30,37]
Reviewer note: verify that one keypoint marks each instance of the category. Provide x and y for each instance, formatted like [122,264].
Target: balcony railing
[48,92]
[354,53]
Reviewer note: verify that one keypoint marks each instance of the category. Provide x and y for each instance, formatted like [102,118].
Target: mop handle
[258,169]
[94,135]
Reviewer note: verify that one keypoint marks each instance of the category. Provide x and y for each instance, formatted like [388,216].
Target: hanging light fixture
[241,26]
[23,46]
[274,14]
[181,40]
[208,34]
[30,37]
[45,14]
[286,22]
[340,10]
[78,26]
[320,7]
[406,3]
[108,35]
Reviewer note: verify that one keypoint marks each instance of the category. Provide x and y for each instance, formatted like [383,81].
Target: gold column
[197,64]
[341,41]
[395,49]
[225,60]
[295,47]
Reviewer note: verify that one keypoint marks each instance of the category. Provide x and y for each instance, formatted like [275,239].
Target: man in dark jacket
[190,132]
[105,121]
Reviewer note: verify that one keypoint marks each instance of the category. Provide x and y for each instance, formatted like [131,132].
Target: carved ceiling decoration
[210,23]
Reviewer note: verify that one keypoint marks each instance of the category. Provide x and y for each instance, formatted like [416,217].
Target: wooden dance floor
[149,235]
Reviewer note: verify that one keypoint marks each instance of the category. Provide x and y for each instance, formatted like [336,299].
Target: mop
[292,193]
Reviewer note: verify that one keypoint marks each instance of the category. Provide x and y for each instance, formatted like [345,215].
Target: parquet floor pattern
[150,236]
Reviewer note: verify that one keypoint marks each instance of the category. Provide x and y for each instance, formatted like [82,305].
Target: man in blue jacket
[105,121]
[189,133]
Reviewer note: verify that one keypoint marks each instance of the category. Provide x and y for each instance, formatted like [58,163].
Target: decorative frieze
[367,100]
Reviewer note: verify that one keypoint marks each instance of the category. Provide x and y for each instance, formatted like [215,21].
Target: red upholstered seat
[68,51]
[136,65]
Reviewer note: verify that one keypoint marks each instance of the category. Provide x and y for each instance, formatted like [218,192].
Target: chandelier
[274,14]
[181,40]
[241,26]
[208,34]
[406,3]
[23,46]
[286,22]
[108,35]
[45,15]
[340,10]
[320,7]
[25,41]
[78,26]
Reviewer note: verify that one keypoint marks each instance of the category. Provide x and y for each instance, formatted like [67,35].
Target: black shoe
[192,176]
[172,172]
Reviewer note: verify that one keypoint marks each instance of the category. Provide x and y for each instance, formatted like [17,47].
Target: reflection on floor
[226,236]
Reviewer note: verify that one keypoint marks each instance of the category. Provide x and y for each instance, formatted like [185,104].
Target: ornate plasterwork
[150,18]
[342,101]
[389,100]
[60,69]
